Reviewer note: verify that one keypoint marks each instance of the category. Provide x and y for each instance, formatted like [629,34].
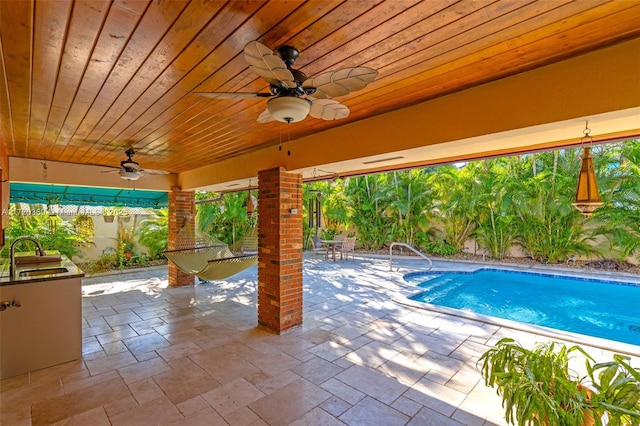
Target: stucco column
[280,249]
[182,213]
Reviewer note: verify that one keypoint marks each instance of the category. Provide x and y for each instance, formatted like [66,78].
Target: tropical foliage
[53,233]
[492,206]
[153,233]
[225,219]
[521,202]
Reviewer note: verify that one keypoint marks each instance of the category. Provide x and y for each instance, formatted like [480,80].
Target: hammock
[207,257]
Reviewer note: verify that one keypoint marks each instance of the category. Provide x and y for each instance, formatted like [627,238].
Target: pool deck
[364,355]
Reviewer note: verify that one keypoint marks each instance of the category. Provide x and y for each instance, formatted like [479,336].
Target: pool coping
[581,339]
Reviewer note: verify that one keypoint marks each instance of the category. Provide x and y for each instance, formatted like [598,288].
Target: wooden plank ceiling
[82,81]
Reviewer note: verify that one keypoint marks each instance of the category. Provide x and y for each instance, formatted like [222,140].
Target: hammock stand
[208,258]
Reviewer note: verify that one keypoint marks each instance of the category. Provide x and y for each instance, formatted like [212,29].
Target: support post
[280,249]
[182,213]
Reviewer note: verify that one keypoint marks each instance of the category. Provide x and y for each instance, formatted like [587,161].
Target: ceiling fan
[131,170]
[293,95]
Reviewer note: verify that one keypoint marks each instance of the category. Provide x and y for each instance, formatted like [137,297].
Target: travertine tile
[146,343]
[268,384]
[316,417]
[287,404]
[158,411]
[110,362]
[144,369]
[275,363]
[86,381]
[145,390]
[232,396]
[185,382]
[122,319]
[242,417]
[178,350]
[206,417]
[428,417]
[85,399]
[119,405]
[115,336]
[317,370]
[330,351]
[224,369]
[349,363]
[367,409]
[373,383]
[192,405]
[343,391]
[94,417]
[373,354]
[335,406]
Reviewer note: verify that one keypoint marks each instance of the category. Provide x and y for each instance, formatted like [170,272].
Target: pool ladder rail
[410,247]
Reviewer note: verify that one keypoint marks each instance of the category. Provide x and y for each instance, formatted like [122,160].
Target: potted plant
[108,214]
[616,390]
[538,387]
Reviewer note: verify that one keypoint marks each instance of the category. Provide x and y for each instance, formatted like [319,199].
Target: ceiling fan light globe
[129,175]
[288,109]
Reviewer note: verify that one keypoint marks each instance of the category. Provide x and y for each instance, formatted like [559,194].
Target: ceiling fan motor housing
[288,54]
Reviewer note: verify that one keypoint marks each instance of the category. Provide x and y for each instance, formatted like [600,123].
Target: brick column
[182,212]
[280,249]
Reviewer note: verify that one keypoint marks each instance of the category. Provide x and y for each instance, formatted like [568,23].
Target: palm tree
[495,220]
[153,233]
[226,219]
[410,205]
[456,191]
[368,211]
[549,228]
[619,217]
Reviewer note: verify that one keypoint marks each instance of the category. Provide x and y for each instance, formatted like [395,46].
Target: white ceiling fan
[292,95]
[131,170]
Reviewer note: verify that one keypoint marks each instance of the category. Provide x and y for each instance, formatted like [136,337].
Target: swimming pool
[605,309]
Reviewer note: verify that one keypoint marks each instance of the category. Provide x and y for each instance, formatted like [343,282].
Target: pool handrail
[410,247]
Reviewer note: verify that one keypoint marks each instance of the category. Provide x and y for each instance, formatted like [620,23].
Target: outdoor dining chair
[348,246]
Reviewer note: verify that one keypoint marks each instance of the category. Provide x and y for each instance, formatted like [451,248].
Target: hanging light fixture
[250,206]
[587,196]
[288,109]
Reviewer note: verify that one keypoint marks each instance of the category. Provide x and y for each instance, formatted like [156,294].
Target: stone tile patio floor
[194,355]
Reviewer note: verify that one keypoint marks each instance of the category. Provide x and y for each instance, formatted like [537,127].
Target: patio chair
[317,247]
[348,246]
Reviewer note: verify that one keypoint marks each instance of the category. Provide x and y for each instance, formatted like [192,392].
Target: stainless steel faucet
[12,258]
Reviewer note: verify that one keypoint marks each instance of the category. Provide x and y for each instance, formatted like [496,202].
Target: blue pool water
[606,309]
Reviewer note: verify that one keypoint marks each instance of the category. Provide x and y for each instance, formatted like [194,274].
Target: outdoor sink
[26,260]
[38,272]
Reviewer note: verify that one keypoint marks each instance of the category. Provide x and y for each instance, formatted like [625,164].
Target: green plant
[441,248]
[85,227]
[52,232]
[616,386]
[107,261]
[328,234]
[153,233]
[538,387]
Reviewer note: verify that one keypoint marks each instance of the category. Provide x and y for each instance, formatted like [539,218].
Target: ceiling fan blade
[234,95]
[268,65]
[265,117]
[130,166]
[328,109]
[341,82]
